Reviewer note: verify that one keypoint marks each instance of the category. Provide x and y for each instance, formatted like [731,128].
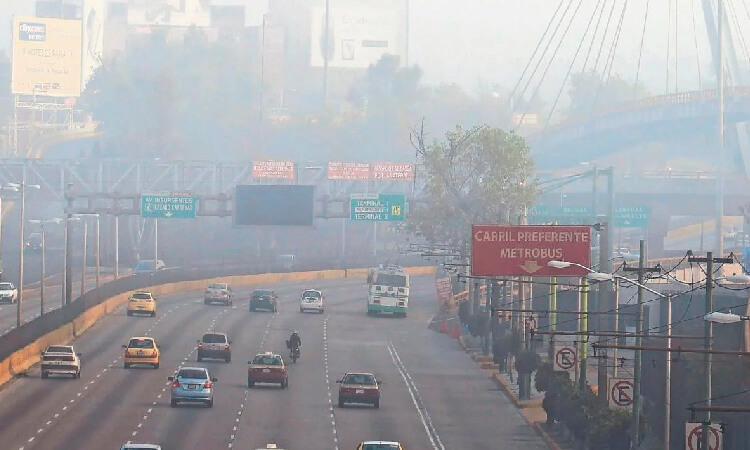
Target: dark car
[359,388]
[264,299]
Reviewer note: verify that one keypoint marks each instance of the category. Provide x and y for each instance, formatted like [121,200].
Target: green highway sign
[632,216]
[377,207]
[563,215]
[168,205]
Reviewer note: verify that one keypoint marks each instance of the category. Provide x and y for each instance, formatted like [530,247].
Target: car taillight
[200,345]
[175,384]
[226,347]
[208,385]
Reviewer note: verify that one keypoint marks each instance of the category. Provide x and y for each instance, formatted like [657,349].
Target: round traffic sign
[694,438]
[565,358]
[622,393]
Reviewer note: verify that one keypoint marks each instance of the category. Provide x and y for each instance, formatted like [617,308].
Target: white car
[61,360]
[8,293]
[218,293]
[312,300]
[140,447]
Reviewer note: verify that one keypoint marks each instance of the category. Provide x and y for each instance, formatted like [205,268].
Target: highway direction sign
[632,216]
[562,215]
[168,205]
[377,207]
[565,357]
[694,431]
[620,393]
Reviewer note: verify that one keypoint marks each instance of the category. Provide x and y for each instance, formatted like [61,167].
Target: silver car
[192,384]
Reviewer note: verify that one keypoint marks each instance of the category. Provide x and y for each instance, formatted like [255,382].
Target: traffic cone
[444,326]
[456,331]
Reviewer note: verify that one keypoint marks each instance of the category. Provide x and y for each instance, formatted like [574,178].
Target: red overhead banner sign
[280,170]
[525,250]
[348,171]
[392,171]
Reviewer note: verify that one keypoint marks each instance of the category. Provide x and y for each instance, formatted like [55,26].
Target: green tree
[481,175]
[589,92]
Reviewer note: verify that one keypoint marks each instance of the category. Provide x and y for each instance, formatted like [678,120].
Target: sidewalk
[531,410]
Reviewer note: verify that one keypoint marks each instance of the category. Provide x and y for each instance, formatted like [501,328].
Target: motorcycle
[294,352]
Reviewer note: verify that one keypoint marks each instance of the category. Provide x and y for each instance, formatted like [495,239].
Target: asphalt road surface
[434,396]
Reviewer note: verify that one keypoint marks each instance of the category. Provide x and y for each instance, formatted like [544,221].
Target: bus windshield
[391,280]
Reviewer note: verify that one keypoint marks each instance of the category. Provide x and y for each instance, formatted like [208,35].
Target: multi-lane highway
[434,397]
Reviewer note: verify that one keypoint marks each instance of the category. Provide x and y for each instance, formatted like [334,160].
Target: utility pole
[83,269]
[69,245]
[635,428]
[584,321]
[326,41]
[708,331]
[720,160]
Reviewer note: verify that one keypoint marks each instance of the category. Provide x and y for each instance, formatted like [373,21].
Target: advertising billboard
[273,205]
[169,13]
[46,57]
[348,171]
[278,170]
[93,38]
[525,250]
[357,37]
[392,171]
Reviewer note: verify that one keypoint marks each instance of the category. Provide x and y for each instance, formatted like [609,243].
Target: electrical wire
[572,63]
[536,49]
[720,397]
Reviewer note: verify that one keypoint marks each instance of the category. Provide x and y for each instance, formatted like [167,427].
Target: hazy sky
[473,42]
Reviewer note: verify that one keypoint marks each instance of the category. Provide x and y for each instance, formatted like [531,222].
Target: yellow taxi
[143,351]
[142,303]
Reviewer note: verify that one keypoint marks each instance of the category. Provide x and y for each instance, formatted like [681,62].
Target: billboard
[278,170]
[169,13]
[525,250]
[357,36]
[348,171]
[46,57]
[392,171]
[93,38]
[273,205]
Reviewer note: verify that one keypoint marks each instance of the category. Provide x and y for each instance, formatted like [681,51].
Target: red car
[359,388]
[267,368]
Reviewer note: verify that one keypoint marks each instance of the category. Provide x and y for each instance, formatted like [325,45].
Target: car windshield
[314,294]
[380,447]
[385,279]
[5,286]
[217,286]
[59,349]
[141,343]
[214,338]
[267,360]
[359,378]
[199,374]
[145,265]
[142,296]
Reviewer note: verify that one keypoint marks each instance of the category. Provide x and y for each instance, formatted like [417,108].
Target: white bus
[389,291]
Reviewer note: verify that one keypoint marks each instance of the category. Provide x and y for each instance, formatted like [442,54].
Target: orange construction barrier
[444,326]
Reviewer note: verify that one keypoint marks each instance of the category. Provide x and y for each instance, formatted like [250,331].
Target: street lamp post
[43,230]
[21,189]
[85,248]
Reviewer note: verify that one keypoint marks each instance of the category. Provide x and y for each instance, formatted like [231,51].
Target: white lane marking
[424,416]
[328,385]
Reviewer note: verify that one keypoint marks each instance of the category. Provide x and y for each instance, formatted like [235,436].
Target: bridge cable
[551,60]
[593,38]
[536,49]
[747,12]
[676,49]
[743,42]
[697,49]
[669,46]
[640,50]
[611,56]
[572,62]
[604,36]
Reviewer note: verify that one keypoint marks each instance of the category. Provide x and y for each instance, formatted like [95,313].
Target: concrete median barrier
[21,359]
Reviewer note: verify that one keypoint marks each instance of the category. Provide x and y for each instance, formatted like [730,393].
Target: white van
[312,300]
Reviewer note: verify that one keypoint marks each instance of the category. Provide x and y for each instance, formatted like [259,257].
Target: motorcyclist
[294,340]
